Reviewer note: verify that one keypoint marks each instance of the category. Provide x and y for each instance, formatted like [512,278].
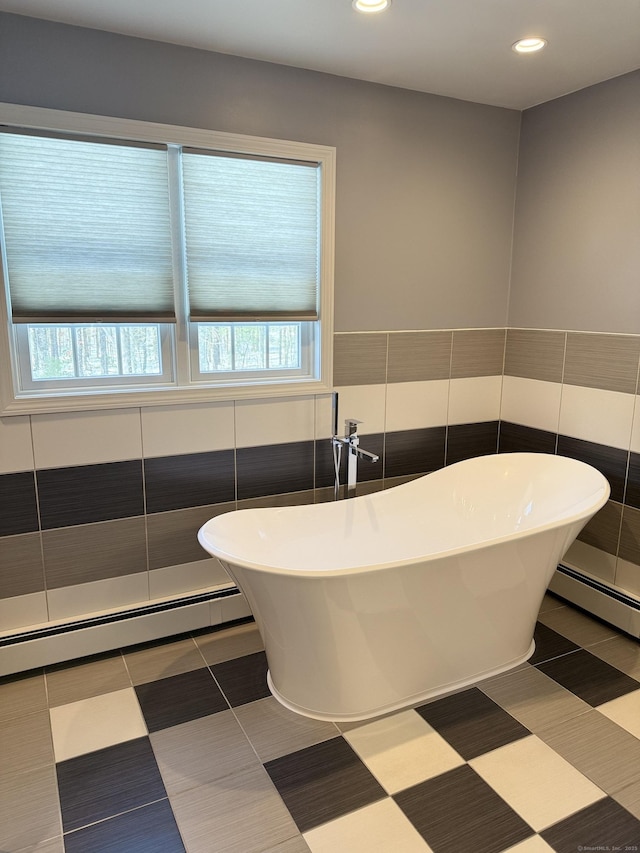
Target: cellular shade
[87,230]
[252,237]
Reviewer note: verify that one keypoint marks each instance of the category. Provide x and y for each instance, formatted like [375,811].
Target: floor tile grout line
[117,814]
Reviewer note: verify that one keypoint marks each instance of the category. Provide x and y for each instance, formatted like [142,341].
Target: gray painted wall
[576,261]
[425,187]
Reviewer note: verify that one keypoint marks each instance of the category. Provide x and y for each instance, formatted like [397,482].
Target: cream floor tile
[378,828]
[402,750]
[576,626]
[535,844]
[537,783]
[201,751]
[275,731]
[624,711]
[243,812]
[95,723]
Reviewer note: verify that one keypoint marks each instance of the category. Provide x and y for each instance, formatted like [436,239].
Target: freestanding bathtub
[380,602]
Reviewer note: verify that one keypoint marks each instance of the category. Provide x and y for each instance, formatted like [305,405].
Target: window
[152,259]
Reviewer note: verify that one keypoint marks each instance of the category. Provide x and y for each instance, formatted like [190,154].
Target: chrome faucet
[350,440]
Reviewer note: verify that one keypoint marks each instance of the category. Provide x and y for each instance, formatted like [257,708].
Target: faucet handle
[351,425]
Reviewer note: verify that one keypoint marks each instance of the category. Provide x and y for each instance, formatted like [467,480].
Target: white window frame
[187,388]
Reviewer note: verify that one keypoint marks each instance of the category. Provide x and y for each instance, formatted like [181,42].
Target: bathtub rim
[230,560]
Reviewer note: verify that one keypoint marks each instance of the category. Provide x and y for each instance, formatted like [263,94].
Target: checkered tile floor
[178,746]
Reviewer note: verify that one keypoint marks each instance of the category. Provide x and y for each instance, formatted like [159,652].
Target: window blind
[252,237]
[87,230]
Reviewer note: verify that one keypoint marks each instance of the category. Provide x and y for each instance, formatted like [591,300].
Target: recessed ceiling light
[371,5]
[528,45]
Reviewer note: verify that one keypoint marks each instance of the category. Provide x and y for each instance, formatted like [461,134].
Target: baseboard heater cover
[45,645]
[607,603]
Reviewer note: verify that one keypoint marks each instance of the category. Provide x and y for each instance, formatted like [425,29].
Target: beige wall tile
[366,403]
[19,611]
[593,414]
[419,356]
[274,421]
[86,438]
[97,596]
[16,451]
[359,359]
[474,400]
[171,430]
[627,576]
[415,405]
[535,354]
[187,578]
[477,352]
[531,402]
[609,362]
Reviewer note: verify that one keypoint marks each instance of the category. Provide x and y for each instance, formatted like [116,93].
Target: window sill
[167,396]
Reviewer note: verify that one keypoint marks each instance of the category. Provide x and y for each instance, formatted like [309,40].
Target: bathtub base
[401,704]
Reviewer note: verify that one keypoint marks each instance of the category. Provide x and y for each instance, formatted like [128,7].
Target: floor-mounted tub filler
[378,603]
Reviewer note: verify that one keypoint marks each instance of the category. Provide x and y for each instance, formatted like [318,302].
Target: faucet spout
[365,454]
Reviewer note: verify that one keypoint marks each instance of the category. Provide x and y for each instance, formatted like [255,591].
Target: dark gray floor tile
[458,811]
[108,782]
[323,782]
[472,723]
[179,698]
[550,644]
[151,829]
[589,677]
[603,826]
[244,679]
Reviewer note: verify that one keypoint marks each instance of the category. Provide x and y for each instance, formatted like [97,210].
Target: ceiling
[458,48]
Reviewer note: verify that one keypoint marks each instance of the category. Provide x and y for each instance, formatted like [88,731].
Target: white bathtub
[380,602]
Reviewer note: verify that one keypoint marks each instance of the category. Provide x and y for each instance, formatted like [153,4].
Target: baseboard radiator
[608,603]
[33,648]
[45,645]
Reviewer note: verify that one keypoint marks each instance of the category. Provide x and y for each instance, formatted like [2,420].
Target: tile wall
[100,510]
[576,394]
